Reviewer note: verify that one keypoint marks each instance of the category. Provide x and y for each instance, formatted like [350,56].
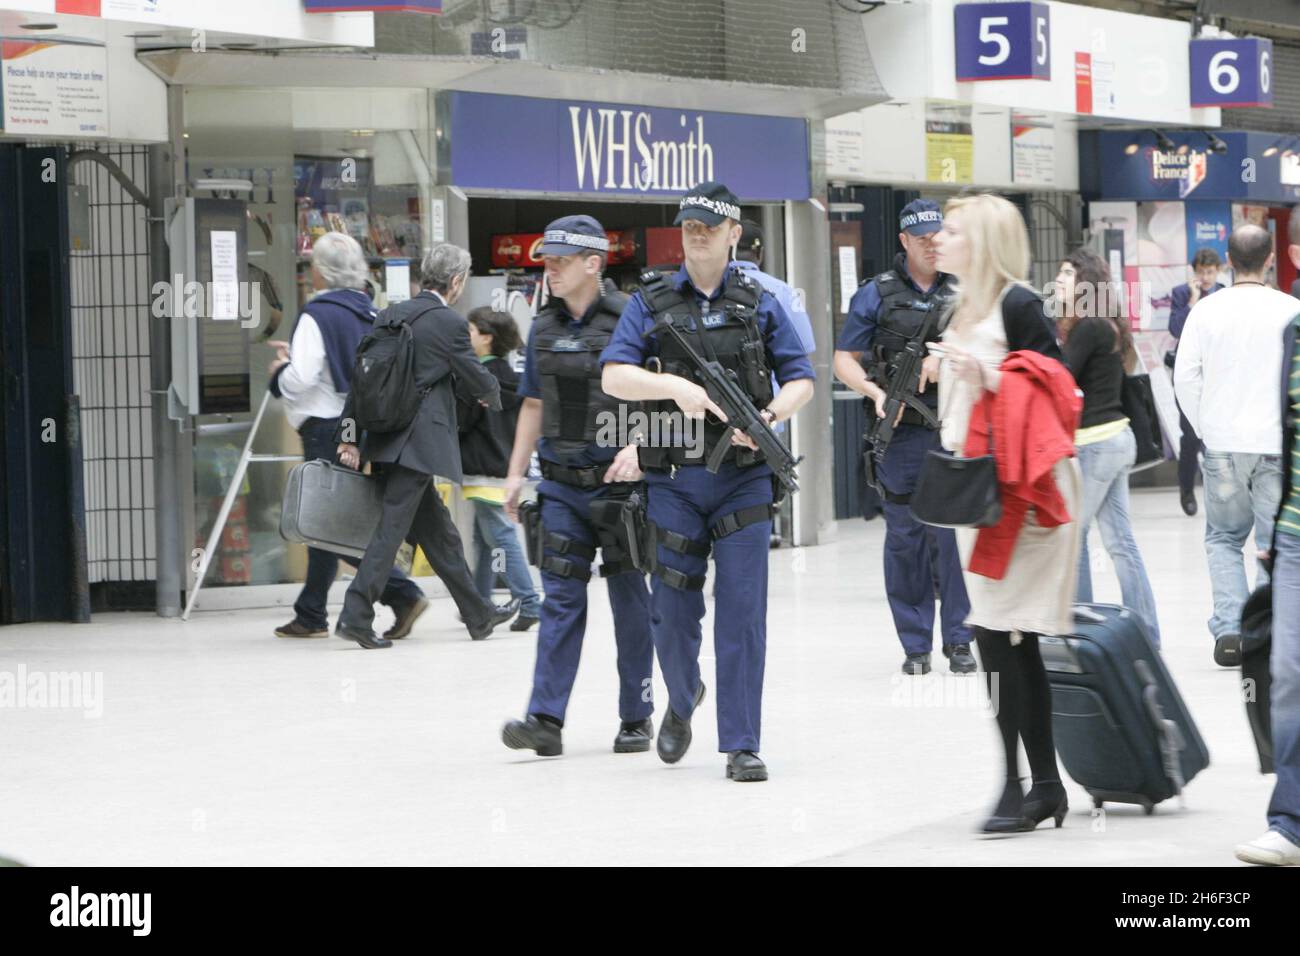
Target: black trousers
[412,507]
[1189,448]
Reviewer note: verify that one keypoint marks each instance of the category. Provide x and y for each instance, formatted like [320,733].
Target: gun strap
[676,579]
[733,522]
[675,541]
[564,569]
[562,545]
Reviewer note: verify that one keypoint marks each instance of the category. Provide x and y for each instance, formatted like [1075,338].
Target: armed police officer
[585,481]
[723,506]
[892,317]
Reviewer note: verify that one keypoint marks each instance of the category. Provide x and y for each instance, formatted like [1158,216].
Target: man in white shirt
[312,376]
[1226,387]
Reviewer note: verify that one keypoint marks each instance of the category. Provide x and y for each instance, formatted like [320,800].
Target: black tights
[1023,701]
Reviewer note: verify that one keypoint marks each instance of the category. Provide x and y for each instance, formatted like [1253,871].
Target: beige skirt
[1037,593]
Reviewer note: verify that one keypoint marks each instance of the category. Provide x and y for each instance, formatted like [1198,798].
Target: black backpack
[384,396]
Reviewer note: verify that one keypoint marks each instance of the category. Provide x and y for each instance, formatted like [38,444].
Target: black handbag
[1139,405]
[956,492]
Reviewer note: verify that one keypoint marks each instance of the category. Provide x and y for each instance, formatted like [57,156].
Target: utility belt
[586,478]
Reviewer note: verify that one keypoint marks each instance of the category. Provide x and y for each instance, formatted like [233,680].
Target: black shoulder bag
[957,492]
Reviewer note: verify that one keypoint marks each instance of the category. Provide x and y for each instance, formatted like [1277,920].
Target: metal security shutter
[110,334]
[1284,117]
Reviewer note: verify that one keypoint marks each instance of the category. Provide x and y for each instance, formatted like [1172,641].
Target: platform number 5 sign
[1003,41]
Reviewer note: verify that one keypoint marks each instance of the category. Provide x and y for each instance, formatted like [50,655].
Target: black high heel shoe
[1009,814]
[1045,799]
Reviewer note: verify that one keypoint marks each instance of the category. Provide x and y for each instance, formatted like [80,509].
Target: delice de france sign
[569,146]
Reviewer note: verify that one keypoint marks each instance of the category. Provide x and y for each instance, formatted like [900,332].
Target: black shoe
[634,736]
[675,734]
[960,659]
[1227,650]
[1188,500]
[1042,801]
[500,614]
[743,766]
[540,736]
[297,629]
[917,664]
[522,623]
[362,635]
[406,619]
[1009,815]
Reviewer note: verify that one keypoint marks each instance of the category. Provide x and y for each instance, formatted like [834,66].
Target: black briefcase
[330,507]
[1256,646]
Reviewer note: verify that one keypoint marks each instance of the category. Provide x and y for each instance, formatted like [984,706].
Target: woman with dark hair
[1099,351]
[486,439]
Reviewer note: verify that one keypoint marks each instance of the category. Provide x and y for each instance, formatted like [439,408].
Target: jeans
[1241,490]
[494,535]
[1105,466]
[1284,669]
[317,436]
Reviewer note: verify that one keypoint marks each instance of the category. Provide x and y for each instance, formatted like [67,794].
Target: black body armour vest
[730,335]
[902,312]
[568,366]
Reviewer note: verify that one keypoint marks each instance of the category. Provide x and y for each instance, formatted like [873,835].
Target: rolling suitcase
[330,507]
[1121,727]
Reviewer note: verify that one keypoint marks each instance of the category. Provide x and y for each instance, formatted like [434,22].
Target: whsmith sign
[524,144]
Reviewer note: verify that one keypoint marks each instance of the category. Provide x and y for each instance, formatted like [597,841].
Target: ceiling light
[1131,148]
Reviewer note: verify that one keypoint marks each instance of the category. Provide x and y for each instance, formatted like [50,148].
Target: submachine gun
[725,391]
[901,394]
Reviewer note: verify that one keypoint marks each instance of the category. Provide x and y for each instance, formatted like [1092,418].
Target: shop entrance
[42,510]
[505,233]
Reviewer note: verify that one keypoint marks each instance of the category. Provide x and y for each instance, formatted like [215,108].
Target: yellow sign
[949,144]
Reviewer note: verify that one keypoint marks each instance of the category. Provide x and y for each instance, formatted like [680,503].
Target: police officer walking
[585,478]
[909,301]
[690,509]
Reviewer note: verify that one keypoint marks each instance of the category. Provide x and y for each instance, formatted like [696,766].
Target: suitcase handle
[1170,734]
[1086,615]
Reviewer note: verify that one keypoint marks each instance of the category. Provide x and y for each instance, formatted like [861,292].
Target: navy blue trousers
[690,503]
[920,560]
[566,512]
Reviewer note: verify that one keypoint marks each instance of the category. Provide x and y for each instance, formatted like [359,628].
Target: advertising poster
[53,89]
[1162,234]
[949,144]
[1208,226]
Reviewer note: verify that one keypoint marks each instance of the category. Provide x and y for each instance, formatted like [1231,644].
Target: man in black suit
[406,460]
[1183,298]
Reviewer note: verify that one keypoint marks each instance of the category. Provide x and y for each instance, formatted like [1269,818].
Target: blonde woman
[984,244]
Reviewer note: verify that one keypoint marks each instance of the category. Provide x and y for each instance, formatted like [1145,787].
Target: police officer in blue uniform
[692,512]
[885,313]
[586,475]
